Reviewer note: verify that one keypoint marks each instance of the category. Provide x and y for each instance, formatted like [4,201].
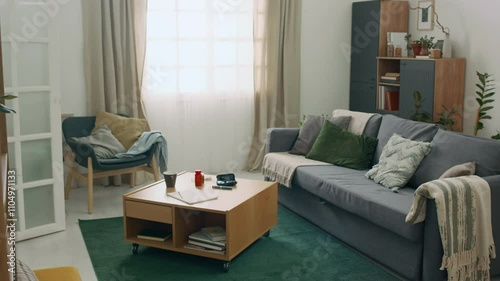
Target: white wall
[73,96]
[325,70]
[325,67]
[474,35]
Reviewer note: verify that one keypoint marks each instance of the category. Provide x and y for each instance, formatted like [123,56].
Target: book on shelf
[392,74]
[393,78]
[215,233]
[381,97]
[395,82]
[200,248]
[391,100]
[154,234]
[206,245]
[200,236]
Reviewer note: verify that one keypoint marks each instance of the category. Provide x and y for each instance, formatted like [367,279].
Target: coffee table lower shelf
[168,245]
[251,217]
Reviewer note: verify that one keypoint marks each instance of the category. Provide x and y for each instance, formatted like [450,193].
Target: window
[198,87]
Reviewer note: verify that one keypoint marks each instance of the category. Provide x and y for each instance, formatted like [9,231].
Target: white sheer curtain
[198,81]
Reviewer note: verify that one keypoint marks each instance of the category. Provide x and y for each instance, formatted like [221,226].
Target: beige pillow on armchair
[126,130]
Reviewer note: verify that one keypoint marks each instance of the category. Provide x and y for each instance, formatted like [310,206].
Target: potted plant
[419,115]
[408,42]
[446,118]
[427,43]
[497,136]
[485,92]
[416,47]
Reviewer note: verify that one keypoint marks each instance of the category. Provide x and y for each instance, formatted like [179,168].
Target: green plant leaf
[8,97]
[486,117]
[487,101]
[479,101]
[5,109]
[486,108]
[480,87]
[488,95]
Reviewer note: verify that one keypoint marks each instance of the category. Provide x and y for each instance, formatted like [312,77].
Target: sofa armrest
[433,249]
[494,182]
[280,139]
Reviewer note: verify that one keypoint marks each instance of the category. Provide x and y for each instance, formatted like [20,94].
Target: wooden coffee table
[247,212]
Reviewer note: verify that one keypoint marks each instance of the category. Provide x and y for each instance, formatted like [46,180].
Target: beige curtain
[139,20]
[114,34]
[277,26]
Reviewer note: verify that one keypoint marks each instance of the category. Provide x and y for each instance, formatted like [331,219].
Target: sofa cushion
[398,162]
[408,129]
[126,130]
[350,190]
[465,169]
[372,126]
[311,129]
[340,147]
[451,148]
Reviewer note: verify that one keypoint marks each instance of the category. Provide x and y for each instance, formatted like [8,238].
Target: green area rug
[295,250]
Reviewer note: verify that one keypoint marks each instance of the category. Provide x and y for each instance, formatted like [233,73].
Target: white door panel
[31,72]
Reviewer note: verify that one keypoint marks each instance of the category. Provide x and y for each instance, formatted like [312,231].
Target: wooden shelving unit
[440,81]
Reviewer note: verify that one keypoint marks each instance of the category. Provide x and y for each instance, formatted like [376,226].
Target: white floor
[67,247]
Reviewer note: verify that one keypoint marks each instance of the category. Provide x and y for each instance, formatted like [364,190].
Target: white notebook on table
[193,196]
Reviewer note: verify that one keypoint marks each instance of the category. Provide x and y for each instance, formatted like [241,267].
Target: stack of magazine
[209,239]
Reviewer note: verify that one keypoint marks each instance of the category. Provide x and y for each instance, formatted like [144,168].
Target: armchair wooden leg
[90,184]
[69,178]
[154,166]
[132,179]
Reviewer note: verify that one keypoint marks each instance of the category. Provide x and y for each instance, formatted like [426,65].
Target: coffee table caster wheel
[135,248]
[225,266]
[267,233]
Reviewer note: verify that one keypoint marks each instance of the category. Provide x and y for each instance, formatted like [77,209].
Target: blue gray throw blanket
[144,143]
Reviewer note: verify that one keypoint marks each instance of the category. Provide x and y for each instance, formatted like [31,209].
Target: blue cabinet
[368,41]
[416,76]
[363,97]
[365,41]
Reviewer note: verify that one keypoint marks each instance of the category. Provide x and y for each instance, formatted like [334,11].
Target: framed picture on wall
[425,19]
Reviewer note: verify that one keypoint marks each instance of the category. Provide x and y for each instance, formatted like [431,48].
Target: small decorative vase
[447,47]
[424,52]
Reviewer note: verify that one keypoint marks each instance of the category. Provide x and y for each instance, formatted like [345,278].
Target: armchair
[84,155]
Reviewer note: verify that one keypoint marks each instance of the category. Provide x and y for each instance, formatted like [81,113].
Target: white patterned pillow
[399,160]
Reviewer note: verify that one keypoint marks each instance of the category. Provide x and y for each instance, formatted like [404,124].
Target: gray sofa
[369,217]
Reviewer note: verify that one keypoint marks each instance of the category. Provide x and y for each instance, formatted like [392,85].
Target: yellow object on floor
[64,273]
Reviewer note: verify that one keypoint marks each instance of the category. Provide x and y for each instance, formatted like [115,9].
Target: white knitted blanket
[358,119]
[464,216]
[280,166]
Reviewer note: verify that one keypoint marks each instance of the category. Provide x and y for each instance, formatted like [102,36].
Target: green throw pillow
[398,162]
[343,148]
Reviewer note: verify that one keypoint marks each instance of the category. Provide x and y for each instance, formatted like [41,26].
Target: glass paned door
[30,61]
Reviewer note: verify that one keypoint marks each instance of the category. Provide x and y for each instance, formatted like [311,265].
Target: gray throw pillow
[399,160]
[310,131]
[104,143]
[465,169]
[24,272]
